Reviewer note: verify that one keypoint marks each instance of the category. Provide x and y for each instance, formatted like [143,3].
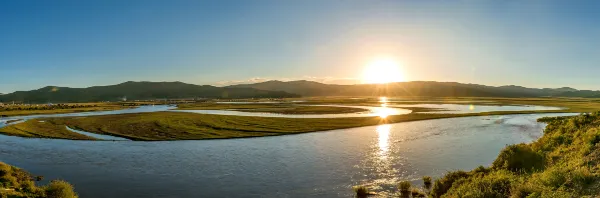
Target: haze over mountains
[416,88]
[137,91]
[279,89]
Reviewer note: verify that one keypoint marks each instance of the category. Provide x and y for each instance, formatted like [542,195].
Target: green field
[281,108]
[20,110]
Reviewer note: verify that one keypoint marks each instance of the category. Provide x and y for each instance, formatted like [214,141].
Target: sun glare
[382,71]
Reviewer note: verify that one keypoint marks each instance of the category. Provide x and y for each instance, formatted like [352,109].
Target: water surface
[466,108]
[321,164]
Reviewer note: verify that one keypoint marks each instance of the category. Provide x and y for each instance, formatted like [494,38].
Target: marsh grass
[404,187]
[159,126]
[73,108]
[281,108]
[361,191]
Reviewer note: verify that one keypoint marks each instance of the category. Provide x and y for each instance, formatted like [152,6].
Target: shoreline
[390,120]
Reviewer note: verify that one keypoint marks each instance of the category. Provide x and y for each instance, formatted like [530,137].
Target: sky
[102,42]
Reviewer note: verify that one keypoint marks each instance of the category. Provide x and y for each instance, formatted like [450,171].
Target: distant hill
[137,90]
[415,88]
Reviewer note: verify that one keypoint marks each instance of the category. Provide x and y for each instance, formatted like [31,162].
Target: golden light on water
[383,111]
[383,134]
[383,99]
[382,70]
[471,107]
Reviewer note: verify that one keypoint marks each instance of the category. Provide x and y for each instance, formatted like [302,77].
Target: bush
[427,182]
[28,186]
[60,189]
[444,184]
[5,169]
[417,193]
[525,191]
[496,184]
[9,181]
[362,191]
[518,158]
[582,177]
[404,186]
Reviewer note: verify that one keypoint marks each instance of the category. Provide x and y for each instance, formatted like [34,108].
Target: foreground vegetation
[565,162]
[17,183]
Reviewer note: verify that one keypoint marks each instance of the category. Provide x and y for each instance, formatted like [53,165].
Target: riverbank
[69,108]
[280,108]
[161,126]
[18,183]
[564,162]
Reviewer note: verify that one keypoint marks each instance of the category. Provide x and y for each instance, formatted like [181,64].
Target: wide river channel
[320,164]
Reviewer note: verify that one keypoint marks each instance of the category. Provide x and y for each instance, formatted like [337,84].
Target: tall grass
[564,162]
[20,184]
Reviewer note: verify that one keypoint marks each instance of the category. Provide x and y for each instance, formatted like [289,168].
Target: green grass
[44,129]
[158,126]
[18,183]
[87,107]
[564,162]
[191,126]
[281,108]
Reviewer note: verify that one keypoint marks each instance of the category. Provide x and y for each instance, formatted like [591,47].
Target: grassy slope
[18,183]
[565,162]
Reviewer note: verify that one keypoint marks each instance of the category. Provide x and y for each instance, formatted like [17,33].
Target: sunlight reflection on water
[383,132]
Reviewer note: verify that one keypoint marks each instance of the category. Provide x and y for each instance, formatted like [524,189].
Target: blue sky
[85,43]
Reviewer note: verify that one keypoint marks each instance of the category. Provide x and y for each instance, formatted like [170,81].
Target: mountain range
[416,88]
[279,89]
[137,91]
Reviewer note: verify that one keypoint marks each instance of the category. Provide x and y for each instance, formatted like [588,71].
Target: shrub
[5,169]
[496,184]
[519,157]
[582,177]
[427,182]
[362,191]
[60,189]
[28,186]
[525,191]
[404,186]
[444,184]
[417,193]
[553,178]
[9,181]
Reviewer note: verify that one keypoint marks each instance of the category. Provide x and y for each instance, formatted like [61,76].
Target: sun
[383,70]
